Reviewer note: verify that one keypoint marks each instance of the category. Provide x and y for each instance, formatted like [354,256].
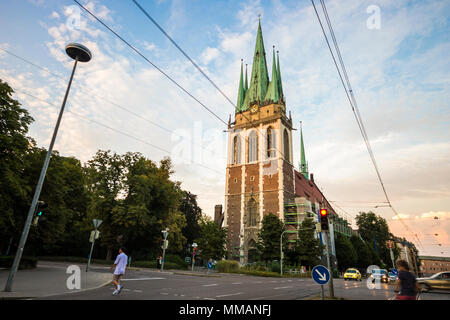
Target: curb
[77,291]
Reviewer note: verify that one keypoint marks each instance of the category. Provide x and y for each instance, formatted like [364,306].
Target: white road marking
[228,295]
[209,299]
[210,285]
[164,293]
[237,283]
[139,291]
[142,279]
[283,287]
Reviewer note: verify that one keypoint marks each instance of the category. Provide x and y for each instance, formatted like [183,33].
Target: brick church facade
[260,176]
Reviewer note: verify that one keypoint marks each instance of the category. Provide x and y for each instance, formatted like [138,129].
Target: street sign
[394,271]
[320,275]
[97,223]
[187,259]
[390,244]
[209,265]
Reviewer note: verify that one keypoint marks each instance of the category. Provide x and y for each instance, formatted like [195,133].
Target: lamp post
[80,53]
[165,233]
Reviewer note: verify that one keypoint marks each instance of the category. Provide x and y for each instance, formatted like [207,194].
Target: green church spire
[303,163]
[259,79]
[280,86]
[246,81]
[241,92]
[273,93]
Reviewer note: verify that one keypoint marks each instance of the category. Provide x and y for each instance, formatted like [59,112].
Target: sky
[396,57]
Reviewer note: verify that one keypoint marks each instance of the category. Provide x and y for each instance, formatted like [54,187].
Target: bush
[227,266]
[25,262]
[275,267]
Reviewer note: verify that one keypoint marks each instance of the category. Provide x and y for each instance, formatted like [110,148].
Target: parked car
[380,274]
[352,274]
[440,281]
[393,276]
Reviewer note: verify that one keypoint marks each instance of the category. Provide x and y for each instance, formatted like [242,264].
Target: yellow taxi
[352,274]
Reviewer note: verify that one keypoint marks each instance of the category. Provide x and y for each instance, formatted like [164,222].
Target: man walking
[407,286]
[120,264]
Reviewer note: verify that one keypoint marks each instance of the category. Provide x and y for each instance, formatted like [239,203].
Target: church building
[260,176]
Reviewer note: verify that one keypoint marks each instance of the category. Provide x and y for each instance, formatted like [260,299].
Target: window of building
[236,150]
[252,212]
[252,147]
[271,142]
[286,145]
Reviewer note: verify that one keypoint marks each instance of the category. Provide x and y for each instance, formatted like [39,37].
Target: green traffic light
[40,213]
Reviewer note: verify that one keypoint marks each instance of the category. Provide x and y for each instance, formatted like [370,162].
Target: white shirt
[121,263]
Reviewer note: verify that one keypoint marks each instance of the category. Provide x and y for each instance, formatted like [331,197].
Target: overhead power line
[110,128]
[252,123]
[352,101]
[150,62]
[92,92]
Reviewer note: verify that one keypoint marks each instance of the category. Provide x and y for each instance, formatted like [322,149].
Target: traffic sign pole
[330,285]
[323,292]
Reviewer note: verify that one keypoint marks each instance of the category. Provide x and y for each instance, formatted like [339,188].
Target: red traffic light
[323,212]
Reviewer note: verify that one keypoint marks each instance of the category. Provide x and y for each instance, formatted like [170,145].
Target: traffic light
[194,251]
[324,219]
[40,209]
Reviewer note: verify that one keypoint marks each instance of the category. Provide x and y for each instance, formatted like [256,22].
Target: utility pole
[165,233]
[330,284]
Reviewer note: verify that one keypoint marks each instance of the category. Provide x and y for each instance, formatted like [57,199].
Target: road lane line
[228,295]
[210,285]
[237,283]
[282,288]
[142,279]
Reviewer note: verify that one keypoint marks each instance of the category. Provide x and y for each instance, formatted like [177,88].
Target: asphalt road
[153,285]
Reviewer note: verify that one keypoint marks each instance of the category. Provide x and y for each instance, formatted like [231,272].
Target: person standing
[159,263]
[407,286]
[120,265]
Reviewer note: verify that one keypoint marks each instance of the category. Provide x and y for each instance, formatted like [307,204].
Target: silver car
[380,274]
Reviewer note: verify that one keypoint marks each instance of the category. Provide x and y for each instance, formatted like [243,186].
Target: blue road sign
[209,265]
[394,271]
[320,274]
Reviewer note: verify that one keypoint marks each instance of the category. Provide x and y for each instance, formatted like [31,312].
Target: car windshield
[377,271]
[351,271]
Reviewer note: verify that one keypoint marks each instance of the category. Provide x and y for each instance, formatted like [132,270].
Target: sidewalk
[50,278]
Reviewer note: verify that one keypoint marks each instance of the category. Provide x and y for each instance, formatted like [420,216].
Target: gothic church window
[271,142]
[287,155]
[252,147]
[236,150]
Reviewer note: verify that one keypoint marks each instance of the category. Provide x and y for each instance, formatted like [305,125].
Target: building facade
[260,176]
[431,265]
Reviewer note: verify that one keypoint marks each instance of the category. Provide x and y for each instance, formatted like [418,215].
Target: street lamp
[80,53]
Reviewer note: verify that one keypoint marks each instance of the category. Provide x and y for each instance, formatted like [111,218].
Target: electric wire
[150,62]
[352,102]
[92,92]
[109,127]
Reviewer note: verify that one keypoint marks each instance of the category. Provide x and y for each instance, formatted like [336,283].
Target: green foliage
[345,252]
[269,238]
[307,250]
[375,228]
[227,266]
[193,214]
[211,240]
[363,253]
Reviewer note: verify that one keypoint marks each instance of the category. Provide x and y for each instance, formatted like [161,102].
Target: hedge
[25,262]
[227,266]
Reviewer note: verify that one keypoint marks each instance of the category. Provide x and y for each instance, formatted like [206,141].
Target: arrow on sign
[322,277]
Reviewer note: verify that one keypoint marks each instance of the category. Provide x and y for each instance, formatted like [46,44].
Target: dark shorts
[117,277]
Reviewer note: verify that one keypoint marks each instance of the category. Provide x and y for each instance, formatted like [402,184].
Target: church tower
[260,172]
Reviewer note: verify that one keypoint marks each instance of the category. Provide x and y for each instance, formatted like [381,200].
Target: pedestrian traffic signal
[40,210]
[324,219]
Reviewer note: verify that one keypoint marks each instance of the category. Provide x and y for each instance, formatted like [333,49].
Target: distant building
[409,253]
[431,265]
[218,215]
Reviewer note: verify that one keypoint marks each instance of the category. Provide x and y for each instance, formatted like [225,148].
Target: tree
[14,146]
[269,238]
[345,252]
[211,240]
[193,215]
[307,249]
[375,231]
[364,258]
